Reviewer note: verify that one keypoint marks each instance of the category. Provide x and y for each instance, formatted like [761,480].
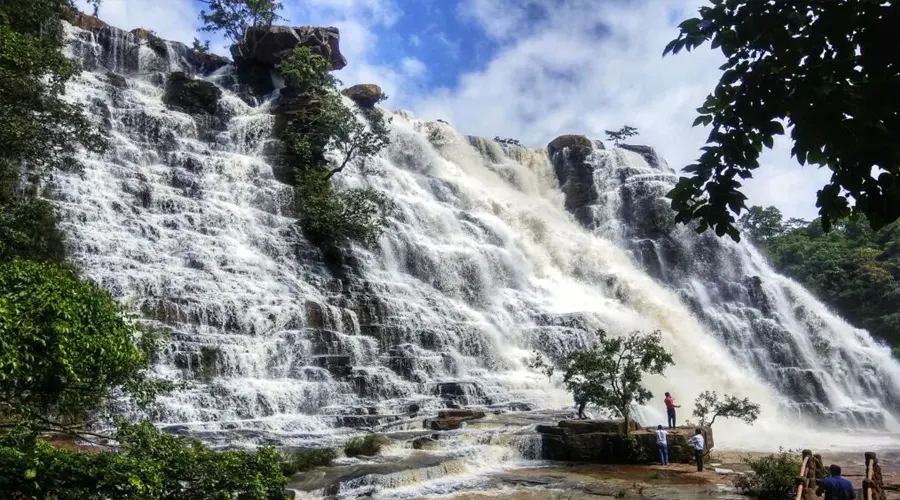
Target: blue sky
[526,69]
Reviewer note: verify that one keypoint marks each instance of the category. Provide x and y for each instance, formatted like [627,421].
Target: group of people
[834,487]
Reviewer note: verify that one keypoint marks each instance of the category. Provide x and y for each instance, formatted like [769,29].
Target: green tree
[330,216]
[68,351]
[708,406]
[762,224]
[244,22]
[610,374]
[617,136]
[826,68]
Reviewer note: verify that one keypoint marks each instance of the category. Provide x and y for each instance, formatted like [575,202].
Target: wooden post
[802,481]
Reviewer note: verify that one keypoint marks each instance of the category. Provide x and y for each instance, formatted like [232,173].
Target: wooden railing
[811,471]
[873,484]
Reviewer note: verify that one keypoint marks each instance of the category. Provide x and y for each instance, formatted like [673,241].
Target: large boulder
[603,442]
[276,43]
[366,95]
[569,154]
[197,97]
[448,420]
[87,22]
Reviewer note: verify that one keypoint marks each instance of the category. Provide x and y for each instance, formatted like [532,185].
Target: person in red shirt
[670,410]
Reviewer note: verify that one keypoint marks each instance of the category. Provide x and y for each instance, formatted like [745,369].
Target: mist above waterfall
[481,264]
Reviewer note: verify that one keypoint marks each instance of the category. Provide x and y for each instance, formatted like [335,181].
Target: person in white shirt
[662,444]
[698,441]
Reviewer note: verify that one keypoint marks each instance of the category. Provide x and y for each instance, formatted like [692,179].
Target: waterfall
[184,220]
[828,371]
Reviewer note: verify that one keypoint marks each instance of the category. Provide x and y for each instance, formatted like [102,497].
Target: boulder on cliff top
[276,43]
[571,141]
[87,22]
[191,96]
[367,95]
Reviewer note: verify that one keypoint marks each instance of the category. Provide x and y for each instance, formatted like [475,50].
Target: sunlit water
[183,219]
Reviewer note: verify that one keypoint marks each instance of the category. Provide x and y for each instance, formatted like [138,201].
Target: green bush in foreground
[771,477]
[148,465]
[304,460]
[368,445]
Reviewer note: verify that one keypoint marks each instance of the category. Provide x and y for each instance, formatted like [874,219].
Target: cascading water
[828,371]
[184,219]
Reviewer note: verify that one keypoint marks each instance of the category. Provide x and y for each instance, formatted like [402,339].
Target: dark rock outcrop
[569,154]
[366,95]
[87,22]
[603,442]
[452,419]
[191,96]
[275,44]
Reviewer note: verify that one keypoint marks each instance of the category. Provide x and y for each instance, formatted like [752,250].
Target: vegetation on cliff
[854,269]
[827,68]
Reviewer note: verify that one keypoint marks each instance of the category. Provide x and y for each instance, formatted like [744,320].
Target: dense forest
[852,268]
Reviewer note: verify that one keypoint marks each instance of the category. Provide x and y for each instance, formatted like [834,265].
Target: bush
[304,460]
[148,465]
[772,476]
[368,445]
[28,230]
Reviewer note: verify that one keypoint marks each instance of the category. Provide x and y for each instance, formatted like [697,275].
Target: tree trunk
[627,428]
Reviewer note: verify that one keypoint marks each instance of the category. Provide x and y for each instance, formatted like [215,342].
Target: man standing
[662,444]
[836,487]
[698,441]
[670,410]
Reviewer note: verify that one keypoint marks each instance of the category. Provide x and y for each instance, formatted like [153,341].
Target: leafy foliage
[28,230]
[368,445]
[708,406]
[241,21]
[67,349]
[610,374]
[824,66]
[853,269]
[200,48]
[304,460]
[332,217]
[772,476]
[38,129]
[762,224]
[148,465]
[617,136]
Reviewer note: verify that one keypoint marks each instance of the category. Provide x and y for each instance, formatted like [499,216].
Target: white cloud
[170,19]
[581,66]
[412,67]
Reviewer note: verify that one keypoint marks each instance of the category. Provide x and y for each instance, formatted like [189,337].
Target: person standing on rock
[670,410]
[580,402]
[663,444]
[698,441]
[836,487]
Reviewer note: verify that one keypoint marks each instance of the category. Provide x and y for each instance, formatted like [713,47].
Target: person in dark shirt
[836,487]
[581,402]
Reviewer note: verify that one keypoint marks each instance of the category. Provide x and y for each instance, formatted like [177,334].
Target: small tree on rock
[238,19]
[610,374]
[708,406]
[620,135]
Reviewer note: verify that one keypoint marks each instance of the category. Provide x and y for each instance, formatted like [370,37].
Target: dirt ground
[672,482]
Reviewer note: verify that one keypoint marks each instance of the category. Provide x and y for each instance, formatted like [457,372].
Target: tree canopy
[708,406]
[828,68]
[610,374]
[617,136]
